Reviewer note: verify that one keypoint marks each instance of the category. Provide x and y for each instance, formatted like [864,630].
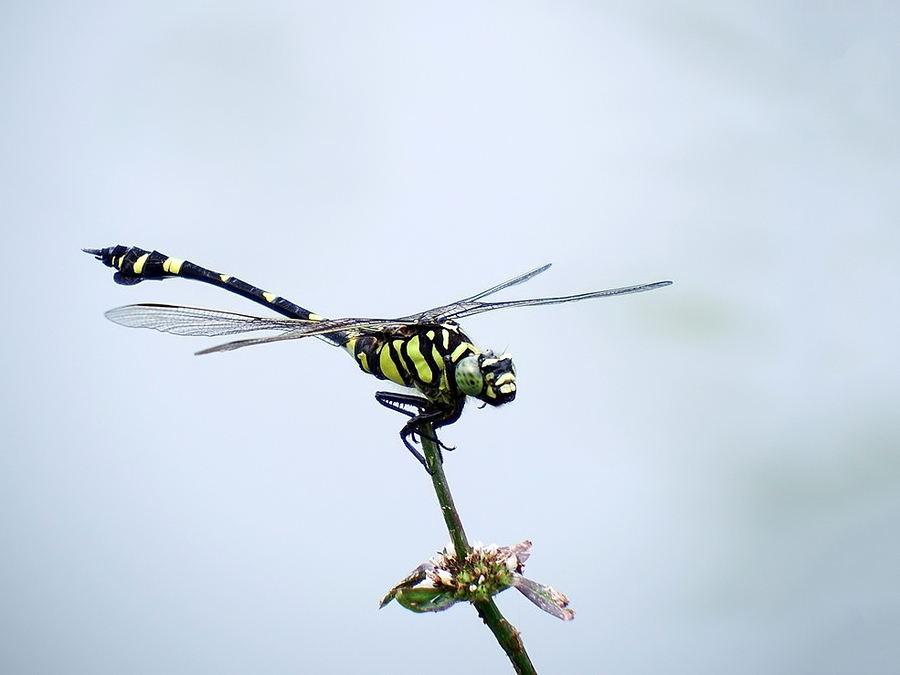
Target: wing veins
[196,321]
[465,308]
[200,322]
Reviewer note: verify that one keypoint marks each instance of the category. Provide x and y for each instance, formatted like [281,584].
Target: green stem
[442,489]
[505,633]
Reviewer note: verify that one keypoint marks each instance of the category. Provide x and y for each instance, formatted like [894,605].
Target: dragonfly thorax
[487,377]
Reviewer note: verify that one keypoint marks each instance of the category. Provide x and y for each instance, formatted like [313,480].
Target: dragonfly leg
[404,436]
[420,411]
[402,403]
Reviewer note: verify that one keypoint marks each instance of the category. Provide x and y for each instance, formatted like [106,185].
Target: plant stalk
[505,633]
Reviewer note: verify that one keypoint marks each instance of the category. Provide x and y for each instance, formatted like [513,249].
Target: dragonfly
[427,353]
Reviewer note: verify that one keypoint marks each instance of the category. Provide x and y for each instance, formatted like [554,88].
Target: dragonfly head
[487,377]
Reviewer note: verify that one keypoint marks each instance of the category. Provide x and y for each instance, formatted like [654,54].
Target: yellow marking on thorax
[438,358]
[445,384]
[172,265]
[461,349]
[388,367]
[138,266]
[413,348]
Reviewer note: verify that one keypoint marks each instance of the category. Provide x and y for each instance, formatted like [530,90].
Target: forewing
[465,308]
[522,278]
[437,314]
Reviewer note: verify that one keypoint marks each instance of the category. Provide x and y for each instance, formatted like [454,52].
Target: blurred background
[710,472]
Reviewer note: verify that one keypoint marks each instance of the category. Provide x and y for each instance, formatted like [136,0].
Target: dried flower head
[485,571]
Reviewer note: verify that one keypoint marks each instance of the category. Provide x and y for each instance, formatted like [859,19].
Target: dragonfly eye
[469,377]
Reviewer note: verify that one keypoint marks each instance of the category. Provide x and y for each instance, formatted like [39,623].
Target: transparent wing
[438,314]
[471,306]
[195,321]
[249,342]
[522,278]
[179,320]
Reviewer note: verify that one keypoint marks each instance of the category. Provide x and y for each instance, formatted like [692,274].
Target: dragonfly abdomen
[135,264]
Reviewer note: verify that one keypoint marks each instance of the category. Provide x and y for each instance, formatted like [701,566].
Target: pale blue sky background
[710,472]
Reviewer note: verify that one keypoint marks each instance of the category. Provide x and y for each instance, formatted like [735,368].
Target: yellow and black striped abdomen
[421,356]
[135,264]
